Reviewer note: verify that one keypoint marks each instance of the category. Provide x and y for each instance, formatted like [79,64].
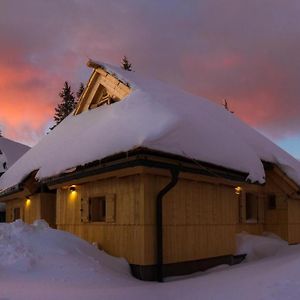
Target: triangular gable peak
[281,180]
[103,88]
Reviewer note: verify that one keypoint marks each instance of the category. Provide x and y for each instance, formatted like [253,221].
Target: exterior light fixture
[28,201]
[72,188]
[238,190]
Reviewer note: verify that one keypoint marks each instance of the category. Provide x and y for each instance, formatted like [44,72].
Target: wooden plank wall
[40,206]
[124,237]
[276,220]
[48,208]
[199,219]
[294,221]
[30,211]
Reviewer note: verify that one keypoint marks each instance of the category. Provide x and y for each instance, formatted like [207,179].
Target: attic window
[101,97]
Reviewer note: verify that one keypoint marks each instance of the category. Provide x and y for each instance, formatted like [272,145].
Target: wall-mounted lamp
[28,201]
[238,190]
[72,188]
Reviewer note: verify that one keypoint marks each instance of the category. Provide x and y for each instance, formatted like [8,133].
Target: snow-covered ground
[37,262]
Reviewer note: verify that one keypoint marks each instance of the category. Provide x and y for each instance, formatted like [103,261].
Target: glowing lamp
[238,190]
[28,201]
[73,188]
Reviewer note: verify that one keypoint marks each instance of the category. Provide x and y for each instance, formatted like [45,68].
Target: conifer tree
[126,65]
[79,92]
[67,105]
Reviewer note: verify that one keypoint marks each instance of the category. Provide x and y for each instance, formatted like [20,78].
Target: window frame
[14,213]
[259,210]
[103,218]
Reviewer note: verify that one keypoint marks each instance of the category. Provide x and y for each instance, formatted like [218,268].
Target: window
[271,202]
[101,97]
[97,209]
[251,208]
[16,213]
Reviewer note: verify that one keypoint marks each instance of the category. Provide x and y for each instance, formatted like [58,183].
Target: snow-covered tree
[126,65]
[67,105]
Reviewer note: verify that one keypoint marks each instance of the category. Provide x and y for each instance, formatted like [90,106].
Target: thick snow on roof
[11,150]
[160,117]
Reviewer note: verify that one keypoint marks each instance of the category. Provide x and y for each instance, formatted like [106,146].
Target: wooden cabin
[167,214]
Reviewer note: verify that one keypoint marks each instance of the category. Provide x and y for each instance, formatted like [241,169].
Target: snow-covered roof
[10,152]
[158,116]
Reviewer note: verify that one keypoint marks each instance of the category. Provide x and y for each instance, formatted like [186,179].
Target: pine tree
[79,92]
[66,106]
[126,65]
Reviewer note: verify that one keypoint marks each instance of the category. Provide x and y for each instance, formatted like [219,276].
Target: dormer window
[102,96]
[103,88]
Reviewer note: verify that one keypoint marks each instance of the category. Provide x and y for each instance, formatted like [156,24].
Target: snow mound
[257,247]
[39,249]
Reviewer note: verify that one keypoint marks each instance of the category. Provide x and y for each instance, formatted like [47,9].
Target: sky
[245,51]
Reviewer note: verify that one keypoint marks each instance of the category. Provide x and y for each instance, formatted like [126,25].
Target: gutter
[138,160]
[159,221]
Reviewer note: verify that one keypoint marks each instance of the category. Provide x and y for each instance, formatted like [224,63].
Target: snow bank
[39,249]
[257,246]
[37,262]
[156,116]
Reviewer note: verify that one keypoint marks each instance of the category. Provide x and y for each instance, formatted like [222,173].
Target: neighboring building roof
[156,116]
[10,152]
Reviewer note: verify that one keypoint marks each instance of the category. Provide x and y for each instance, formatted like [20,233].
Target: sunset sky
[247,51]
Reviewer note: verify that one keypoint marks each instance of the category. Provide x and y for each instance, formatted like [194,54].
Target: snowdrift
[40,250]
[160,117]
[257,246]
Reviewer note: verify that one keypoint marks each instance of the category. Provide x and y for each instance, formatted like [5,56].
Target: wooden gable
[277,180]
[102,88]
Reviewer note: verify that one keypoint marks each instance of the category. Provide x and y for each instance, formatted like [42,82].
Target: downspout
[159,222]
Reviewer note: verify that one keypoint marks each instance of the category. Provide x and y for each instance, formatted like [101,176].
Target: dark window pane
[251,207]
[97,209]
[271,202]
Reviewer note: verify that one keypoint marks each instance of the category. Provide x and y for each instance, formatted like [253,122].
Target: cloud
[245,51]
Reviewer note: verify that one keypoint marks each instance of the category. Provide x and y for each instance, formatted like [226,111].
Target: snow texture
[257,246]
[38,262]
[37,247]
[160,117]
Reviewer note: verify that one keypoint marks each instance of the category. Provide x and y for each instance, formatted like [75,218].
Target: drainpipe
[159,221]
